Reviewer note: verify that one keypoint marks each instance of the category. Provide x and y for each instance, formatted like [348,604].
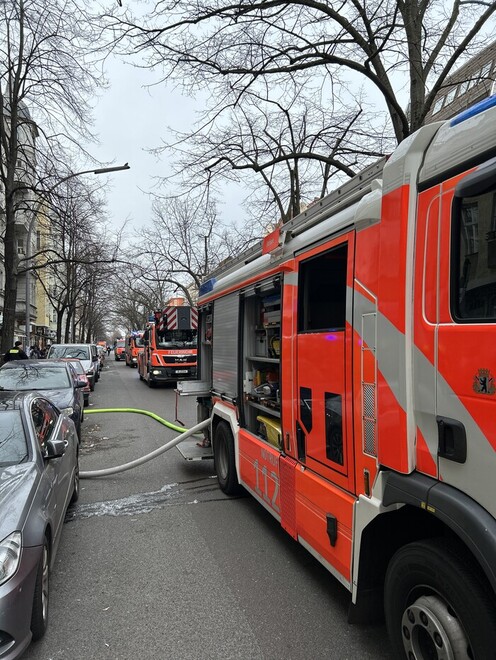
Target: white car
[86,353]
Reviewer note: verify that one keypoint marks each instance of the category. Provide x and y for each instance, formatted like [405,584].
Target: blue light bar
[476,109]
[207,286]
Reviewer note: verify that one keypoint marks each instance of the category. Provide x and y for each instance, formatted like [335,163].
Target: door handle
[301,442]
[452,439]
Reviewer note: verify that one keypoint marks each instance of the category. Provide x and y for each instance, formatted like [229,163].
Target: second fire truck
[169,345]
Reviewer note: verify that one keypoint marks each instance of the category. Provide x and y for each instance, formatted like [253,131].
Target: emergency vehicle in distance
[119,350]
[133,344]
[348,367]
[169,344]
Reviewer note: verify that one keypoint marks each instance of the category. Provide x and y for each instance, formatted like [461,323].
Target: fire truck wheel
[224,463]
[437,604]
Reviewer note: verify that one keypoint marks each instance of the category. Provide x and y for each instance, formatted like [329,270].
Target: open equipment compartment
[261,360]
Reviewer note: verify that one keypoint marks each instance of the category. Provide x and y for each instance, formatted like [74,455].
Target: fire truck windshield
[177,339]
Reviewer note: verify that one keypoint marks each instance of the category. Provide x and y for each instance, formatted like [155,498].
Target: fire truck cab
[348,368]
[169,345]
[134,343]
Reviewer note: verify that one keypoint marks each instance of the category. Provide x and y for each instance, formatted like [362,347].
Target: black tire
[76,484]
[224,461]
[92,387]
[39,615]
[149,381]
[436,600]
[140,376]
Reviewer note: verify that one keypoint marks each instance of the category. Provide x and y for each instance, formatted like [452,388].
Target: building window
[463,87]
[438,105]
[450,96]
[486,69]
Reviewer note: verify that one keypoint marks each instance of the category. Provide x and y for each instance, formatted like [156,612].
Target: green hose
[170,425]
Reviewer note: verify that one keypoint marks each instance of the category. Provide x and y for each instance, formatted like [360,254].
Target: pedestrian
[108,350]
[15,353]
[34,353]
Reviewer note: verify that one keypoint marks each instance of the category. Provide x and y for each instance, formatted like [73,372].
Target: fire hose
[184,433]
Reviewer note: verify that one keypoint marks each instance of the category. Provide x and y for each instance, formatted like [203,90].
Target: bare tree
[44,66]
[186,241]
[386,43]
[136,291]
[278,79]
[78,258]
[284,150]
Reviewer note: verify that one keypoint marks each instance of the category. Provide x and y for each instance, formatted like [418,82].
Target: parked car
[39,473]
[87,353]
[81,374]
[55,380]
[120,350]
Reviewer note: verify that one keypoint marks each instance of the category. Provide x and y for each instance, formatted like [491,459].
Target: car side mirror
[54,449]
[80,383]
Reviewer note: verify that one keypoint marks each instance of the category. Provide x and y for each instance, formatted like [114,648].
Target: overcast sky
[130,120]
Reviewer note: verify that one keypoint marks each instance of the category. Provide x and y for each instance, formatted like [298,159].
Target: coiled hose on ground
[184,433]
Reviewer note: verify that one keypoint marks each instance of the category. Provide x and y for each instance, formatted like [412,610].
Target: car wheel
[76,484]
[224,462]
[86,401]
[39,615]
[437,604]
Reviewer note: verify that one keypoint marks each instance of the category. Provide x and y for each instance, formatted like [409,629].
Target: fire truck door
[466,367]
[323,435]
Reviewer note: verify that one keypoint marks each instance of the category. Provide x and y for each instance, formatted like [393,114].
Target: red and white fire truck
[169,344]
[348,368]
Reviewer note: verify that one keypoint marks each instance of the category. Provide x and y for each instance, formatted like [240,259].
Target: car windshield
[78,367]
[177,339]
[13,447]
[34,377]
[79,352]
[138,341]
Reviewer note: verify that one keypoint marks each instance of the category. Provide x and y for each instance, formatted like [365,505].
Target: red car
[81,374]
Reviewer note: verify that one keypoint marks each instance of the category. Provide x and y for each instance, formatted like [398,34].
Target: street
[156,562]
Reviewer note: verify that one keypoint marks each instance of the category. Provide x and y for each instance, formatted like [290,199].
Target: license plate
[181,371]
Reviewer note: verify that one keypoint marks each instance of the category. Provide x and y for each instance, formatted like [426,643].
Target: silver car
[39,477]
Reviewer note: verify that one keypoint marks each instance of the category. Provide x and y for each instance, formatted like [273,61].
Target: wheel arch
[420,508]
[221,412]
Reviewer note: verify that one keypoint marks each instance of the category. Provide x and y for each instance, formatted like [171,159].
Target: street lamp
[104,170]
